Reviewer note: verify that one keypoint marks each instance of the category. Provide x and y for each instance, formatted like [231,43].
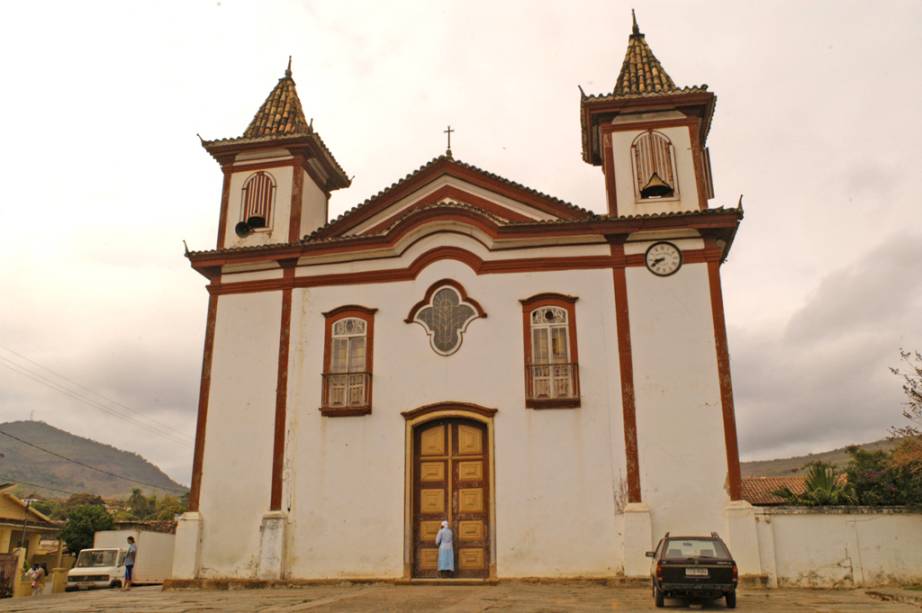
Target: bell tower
[648,136]
[278,176]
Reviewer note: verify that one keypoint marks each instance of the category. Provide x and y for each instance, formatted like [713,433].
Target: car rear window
[680,549]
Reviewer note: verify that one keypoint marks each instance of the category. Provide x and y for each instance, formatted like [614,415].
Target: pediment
[444,186]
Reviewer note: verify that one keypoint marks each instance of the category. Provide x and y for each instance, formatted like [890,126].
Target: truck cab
[103,567]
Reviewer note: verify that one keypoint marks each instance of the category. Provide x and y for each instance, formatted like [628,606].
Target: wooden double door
[451,483]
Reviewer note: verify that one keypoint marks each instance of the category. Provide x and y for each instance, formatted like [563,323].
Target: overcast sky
[817,123]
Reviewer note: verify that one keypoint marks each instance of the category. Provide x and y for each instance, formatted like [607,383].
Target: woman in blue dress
[445,540]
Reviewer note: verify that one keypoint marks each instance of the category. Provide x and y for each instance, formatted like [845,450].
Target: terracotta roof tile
[281,114]
[641,73]
[759,490]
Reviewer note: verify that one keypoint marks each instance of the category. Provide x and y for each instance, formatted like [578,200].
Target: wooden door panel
[470,471]
[432,471]
[432,441]
[470,530]
[470,500]
[470,440]
[470,559]
[431,501]
[450,484]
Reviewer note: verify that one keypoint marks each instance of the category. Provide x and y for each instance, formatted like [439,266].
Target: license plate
[696,572]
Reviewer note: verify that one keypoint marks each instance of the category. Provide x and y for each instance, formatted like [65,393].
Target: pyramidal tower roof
[641,73]
[281,114]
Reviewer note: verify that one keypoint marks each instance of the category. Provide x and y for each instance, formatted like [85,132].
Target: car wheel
[731,600]
[658,598]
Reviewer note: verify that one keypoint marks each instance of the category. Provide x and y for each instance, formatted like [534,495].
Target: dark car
[693,568]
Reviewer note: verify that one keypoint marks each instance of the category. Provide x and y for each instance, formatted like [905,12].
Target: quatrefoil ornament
[445,313]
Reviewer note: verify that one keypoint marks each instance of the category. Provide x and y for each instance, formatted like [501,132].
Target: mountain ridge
[796,465]
[44,474]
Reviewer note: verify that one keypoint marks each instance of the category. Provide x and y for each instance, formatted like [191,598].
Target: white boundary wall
[835,546]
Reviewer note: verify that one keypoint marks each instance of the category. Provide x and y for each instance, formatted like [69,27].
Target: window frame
[568,304]
[244,190]
[331,318]
[676,196]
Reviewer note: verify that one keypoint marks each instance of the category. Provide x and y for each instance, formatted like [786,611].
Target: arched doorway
[450,478]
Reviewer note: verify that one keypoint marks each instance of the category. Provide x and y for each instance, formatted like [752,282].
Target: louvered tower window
[258,195]
[654,166]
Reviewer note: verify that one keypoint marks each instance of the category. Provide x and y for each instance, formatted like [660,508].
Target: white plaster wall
[681,450]
[239,433]
[555,479]
[628,203]
[281,209]
[840,548]
[314,203]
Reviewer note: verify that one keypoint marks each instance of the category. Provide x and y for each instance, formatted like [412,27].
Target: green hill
[795,466]
[22,464]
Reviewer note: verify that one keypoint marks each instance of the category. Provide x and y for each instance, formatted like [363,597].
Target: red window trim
[368,316]
[568,303]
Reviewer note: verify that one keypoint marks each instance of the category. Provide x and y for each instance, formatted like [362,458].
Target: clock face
[663,259]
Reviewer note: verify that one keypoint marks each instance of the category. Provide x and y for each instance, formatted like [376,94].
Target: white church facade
[554,382]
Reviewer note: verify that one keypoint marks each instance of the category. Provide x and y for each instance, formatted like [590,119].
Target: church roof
[281,114]
[280,121]
[448,165]
[641,73]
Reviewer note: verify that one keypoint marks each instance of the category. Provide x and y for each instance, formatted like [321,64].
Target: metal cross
[448,132]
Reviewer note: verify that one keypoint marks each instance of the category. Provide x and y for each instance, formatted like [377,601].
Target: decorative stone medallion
[445,313]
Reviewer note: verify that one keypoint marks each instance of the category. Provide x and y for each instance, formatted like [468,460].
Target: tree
[908,453]
[878,480]
[169,507]
[140,506]
[823,487]
[82,523]
[74,501]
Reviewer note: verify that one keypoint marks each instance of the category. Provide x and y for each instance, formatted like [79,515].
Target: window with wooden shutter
[653,158]
[347,361]
[257,198]
[551,358]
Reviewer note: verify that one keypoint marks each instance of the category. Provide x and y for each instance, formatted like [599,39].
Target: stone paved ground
[443,599]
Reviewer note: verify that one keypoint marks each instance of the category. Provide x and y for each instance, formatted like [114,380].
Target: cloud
[823,378]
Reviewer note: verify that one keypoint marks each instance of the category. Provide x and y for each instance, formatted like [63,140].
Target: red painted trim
[608,168]
[411,316]
[447,406]
[567,303]
[368,316]
[724,222]
[281,397]
[453,193]
[225,200]
[349,307]
[698,161]
[413,270]
[203,394]
[453,169]
[626,366]
[297,190]
[726,384]
[652,124]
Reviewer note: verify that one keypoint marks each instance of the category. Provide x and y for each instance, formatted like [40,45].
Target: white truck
[104,564]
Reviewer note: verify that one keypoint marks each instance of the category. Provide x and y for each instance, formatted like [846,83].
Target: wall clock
[663,258]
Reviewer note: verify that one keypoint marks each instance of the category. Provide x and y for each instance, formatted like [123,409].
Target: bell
[656,188]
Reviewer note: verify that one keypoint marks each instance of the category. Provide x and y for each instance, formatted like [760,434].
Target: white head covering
[444,524]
